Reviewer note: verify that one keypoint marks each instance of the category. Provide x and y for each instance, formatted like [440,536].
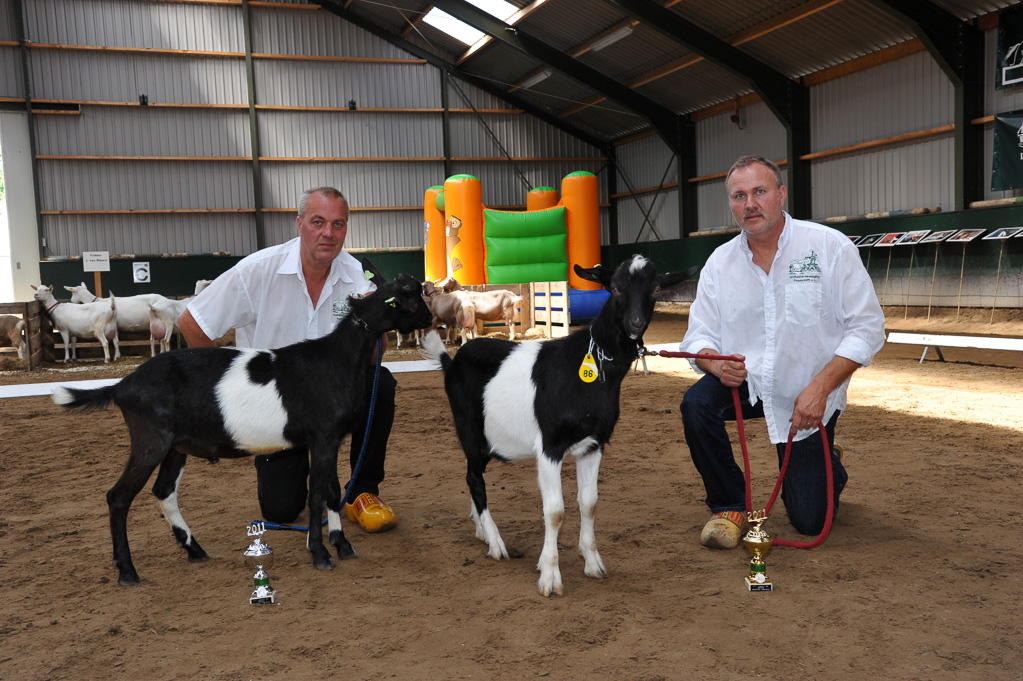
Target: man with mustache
[282,295]
[791,301]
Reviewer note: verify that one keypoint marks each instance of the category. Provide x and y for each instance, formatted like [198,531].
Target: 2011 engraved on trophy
[758,542]
[258,556]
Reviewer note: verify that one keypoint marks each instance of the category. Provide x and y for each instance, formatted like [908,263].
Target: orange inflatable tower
[435,244]
[463,206]
[580,197]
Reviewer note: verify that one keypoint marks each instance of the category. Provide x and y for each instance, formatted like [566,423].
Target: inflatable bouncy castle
[480,245]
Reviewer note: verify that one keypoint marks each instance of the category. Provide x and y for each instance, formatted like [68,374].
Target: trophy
[758,543]
[258,556]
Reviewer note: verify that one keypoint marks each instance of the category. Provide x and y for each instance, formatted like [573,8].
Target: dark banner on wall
[1007,164]
[1009,58]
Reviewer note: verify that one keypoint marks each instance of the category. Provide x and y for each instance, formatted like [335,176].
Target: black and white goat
[545,400]
[229,402]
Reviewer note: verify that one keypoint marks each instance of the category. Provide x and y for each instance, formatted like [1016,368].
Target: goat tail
[433,351]
[84,399]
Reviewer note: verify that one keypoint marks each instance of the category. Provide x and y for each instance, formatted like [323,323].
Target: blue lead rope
[362,452]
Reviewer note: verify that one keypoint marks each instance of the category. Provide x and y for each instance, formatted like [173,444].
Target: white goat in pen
[132,312]
[97,319]
[163,315]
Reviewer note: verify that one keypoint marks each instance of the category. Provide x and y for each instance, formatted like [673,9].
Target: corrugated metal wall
[653,215]
[903,96]
[382,155]
[11,80]
[719,142]
[329,144]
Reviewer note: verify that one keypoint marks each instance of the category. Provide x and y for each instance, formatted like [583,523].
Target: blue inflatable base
[586,304]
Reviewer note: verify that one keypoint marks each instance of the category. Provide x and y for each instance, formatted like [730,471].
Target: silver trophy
[257,557]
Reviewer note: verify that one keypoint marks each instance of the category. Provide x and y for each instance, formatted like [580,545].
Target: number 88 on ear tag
[588,369]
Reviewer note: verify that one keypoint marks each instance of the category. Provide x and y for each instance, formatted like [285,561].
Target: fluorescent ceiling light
[541,75]
[464,32]
[612,37]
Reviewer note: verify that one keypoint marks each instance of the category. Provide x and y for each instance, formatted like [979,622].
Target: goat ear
[601,275]
[377,275]
[672,278]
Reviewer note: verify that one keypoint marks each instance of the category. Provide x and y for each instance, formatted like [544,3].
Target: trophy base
[262,596]
[756,586]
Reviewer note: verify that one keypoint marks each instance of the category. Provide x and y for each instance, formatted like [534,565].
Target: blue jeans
[705,408]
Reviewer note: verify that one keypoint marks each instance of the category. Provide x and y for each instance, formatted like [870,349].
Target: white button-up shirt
[265,299]
[817,302]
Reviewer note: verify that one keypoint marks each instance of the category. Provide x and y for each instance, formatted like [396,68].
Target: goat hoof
[196,554]
[321,560]
[342,545]
[515,553]
[128,578]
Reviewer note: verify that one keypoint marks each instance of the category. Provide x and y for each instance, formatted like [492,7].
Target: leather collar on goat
[53,306]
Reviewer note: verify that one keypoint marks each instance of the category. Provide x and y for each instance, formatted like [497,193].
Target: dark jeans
[705,408]
[281,477]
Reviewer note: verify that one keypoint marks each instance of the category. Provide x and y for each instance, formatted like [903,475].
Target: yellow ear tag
[588,369]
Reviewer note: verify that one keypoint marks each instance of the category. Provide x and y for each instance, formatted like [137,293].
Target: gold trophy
[758,543]
[257,556]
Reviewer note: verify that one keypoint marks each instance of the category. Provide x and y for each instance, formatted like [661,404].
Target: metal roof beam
[337,8]
[946,37]
[777,91]
[661,118]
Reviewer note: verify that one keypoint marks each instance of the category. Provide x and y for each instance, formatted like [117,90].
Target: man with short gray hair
[289,293]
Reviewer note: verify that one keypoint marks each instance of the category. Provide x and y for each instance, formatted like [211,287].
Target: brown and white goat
[11,328]
[455,309]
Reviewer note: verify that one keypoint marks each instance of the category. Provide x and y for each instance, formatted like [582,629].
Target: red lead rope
[785,462]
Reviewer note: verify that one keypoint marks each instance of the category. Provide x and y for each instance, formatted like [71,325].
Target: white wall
[19,246]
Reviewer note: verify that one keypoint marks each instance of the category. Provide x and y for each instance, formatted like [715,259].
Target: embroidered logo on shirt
[339,309]
[805,269]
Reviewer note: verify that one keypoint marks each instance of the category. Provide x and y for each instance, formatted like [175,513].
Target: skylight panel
[462,31]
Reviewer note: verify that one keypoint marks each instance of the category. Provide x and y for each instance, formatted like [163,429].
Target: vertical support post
[884,294]
[998,277]
[969,105]
[962,270]
[250,81]
[934,273]
[22,33]
[797,145]
[445,122]
[688,205]
[612,191]
[909,280]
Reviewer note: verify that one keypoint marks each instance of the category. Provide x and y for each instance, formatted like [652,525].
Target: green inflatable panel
[525,247]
